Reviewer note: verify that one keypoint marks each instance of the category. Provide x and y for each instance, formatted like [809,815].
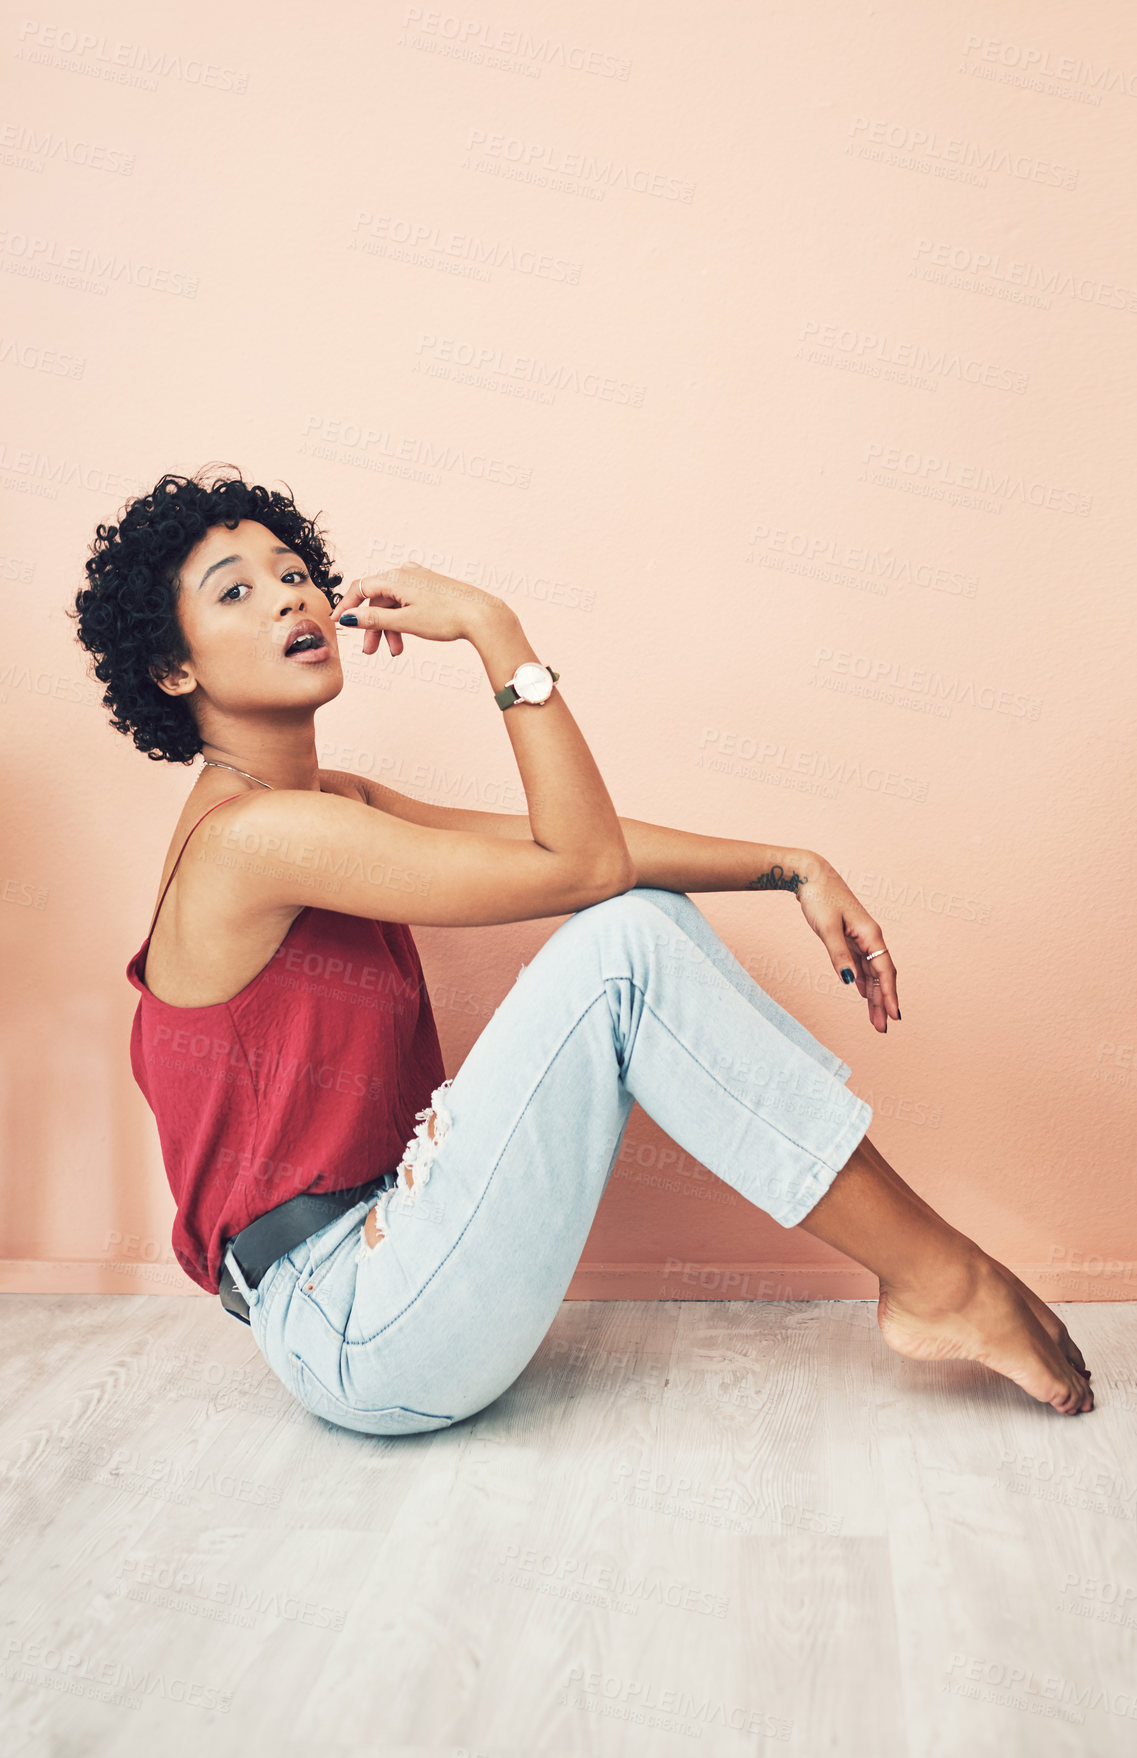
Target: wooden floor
[730,1528]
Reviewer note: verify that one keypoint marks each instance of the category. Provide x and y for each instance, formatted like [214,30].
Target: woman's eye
[238,585]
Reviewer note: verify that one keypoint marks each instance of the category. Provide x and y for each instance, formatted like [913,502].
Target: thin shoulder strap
[182,851]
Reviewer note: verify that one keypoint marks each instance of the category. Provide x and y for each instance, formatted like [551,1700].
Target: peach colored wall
[777,364]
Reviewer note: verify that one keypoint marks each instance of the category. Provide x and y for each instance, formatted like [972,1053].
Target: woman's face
[242,596]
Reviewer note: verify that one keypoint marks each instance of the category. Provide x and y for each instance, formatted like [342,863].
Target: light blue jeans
[633,999]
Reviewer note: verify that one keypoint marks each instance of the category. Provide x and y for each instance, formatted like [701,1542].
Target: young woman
[400,1242]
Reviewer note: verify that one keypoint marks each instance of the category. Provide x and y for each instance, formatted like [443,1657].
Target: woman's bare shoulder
[214,932]
[342,781]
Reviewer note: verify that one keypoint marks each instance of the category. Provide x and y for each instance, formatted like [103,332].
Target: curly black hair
[127,615]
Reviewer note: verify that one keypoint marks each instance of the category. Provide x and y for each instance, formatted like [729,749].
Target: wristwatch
[531,683]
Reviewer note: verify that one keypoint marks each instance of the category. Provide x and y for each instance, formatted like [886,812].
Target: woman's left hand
[847,931]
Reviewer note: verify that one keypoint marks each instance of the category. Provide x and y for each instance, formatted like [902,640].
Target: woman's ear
[175,680]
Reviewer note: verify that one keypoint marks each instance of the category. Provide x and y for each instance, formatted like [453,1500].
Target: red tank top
[309,1079]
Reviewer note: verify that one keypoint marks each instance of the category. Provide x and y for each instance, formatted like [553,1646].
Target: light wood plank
[685,1518]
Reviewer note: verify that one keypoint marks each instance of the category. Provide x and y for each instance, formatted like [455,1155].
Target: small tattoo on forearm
[776,880]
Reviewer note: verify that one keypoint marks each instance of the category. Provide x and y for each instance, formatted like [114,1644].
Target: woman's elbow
[620,876]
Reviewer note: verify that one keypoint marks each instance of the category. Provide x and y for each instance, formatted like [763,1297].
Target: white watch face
[532,682]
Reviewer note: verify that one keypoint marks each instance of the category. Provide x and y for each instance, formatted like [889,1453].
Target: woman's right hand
[849,934]
[412,600]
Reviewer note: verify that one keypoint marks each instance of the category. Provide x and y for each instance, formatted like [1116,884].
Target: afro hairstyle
[127,613]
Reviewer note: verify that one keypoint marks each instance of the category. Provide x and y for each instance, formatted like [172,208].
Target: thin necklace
[210,764]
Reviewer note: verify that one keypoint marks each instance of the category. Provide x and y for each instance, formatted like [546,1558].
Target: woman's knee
[675,904]
[635,902]
[629,915]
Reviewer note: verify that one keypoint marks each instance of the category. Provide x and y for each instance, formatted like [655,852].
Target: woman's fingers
[846,955]
[877,1011]
[850,935]
[376,588]
[832,934]
[354,598]
[878,978]
[348,600]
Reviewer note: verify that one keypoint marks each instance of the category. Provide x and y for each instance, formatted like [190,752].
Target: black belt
[258,1245]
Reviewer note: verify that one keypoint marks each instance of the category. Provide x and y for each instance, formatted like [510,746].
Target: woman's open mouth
[306,643]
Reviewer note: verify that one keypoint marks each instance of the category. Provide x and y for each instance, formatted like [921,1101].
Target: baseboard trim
[798,1281]
[25,1275]
[673,1279]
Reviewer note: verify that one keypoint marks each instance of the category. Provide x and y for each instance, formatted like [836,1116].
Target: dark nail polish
[847,976]
[898,1014]
[351,621]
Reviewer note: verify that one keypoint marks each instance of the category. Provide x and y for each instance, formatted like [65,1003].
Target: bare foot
[1047,1318]
[976,1312]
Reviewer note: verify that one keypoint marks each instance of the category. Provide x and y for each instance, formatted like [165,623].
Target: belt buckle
[231,1297]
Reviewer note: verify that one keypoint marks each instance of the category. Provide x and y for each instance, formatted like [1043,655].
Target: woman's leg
[941,1296]
[480,1241]
[622,1003]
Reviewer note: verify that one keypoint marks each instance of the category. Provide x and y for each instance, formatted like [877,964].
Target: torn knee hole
[407,1171]
[432,1126]
[424,1144]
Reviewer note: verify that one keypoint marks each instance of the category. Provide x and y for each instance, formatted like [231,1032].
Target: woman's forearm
[672,860]
[677,860]
[682,860]
[570,810]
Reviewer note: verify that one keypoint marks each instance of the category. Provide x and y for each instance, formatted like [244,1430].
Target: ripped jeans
[635,998]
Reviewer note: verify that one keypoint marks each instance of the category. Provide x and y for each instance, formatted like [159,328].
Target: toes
[1054,1327]
[1074,1356]
[1070,1349]
[1077,1400]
